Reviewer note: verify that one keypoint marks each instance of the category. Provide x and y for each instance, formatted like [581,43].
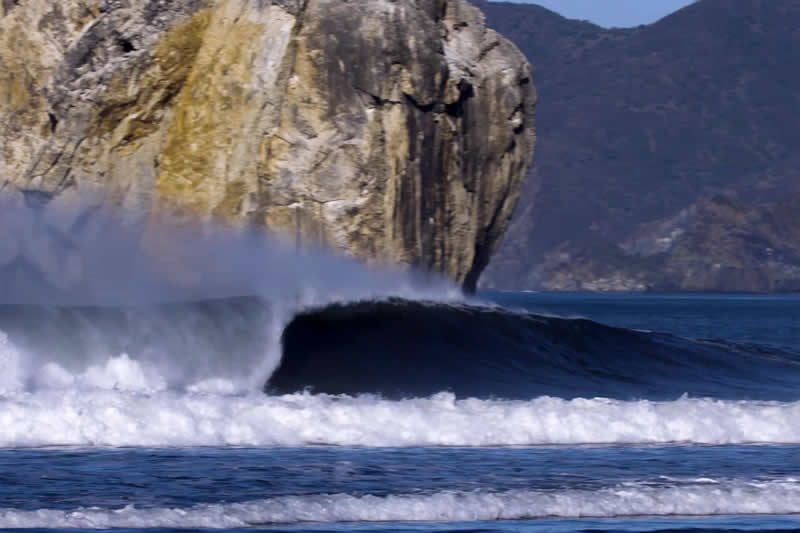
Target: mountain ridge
[638,124]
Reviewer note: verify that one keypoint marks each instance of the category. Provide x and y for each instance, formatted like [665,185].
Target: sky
[608,13]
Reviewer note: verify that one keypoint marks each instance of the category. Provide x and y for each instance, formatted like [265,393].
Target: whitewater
[707,497]
[248,382]
[122,401]
[117,417]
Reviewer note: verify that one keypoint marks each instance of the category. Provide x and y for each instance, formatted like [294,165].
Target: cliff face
[395,130]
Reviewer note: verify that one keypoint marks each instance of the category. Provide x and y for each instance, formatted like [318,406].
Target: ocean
[505,412]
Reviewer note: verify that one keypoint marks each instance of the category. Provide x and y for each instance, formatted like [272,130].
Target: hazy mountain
[638,130]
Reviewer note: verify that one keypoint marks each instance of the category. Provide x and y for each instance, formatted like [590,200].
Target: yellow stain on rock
[212,112]
[134,108]
[16,83]
[90,11]
[231,204]
[18,93]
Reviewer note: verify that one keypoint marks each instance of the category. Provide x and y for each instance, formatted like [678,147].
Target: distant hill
[640,129]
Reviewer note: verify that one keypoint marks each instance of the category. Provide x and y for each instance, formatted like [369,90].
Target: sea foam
[126,402]
[119,416]
[733,497]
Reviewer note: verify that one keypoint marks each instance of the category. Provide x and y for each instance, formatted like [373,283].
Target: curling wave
[395,348]
[400,348]
[708,498]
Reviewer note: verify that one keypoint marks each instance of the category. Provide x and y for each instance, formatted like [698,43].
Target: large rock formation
[396,130]
[643,127]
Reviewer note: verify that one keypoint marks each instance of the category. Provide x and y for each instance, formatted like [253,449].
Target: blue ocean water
[551,412]
[772,320]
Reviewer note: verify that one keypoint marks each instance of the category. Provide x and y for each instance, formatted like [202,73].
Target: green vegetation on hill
[640,132]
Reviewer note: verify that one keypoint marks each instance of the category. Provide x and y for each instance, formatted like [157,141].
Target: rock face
[395,130]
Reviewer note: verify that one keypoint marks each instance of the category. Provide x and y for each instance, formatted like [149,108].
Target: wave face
[708,497]
[399,348]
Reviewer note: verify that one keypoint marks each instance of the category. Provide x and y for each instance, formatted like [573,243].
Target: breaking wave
[176,351]
[703,497]
[400,348]
[395,348]
[97,297]
[417,374]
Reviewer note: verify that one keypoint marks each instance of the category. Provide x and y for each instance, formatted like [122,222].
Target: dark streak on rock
[126,46]
[8,5]
[53,122]
[466,91]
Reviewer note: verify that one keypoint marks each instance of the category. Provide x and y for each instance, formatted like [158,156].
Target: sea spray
[81,252]
[11,373]
[90,294]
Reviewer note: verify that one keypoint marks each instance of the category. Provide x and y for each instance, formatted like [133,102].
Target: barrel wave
[399,348]
[386,372]
[394,348]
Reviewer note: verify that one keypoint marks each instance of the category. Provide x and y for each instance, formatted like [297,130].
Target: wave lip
[109,418]
[707,498]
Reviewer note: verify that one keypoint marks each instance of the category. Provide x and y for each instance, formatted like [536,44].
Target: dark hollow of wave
[398,348]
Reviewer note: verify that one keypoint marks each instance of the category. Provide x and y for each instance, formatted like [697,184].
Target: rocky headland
[397,131]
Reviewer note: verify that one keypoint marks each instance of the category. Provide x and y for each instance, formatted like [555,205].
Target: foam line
[702,499]
[107,418]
